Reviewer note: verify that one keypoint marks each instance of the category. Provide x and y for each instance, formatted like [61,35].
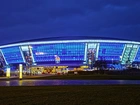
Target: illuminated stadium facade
[69,52]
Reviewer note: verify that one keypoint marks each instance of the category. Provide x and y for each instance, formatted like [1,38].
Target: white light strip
[30,49]
[97,52]
[69,41]
[85,56]
[3,57]
[22,54]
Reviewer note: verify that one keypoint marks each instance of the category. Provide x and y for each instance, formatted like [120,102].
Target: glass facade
[12,55]
[129,53]
[62,52]
[137,58]
[133,53]
[67,52]
[110,51]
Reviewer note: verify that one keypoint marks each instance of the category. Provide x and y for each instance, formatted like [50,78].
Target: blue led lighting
[12,55]
[137,58]
[110,51]
[65,51]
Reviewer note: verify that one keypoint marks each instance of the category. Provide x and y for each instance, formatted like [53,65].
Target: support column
[20,71]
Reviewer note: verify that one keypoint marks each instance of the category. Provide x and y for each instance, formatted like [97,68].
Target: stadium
[81,53]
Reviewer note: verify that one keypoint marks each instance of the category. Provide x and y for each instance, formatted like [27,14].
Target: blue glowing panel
[12,55]
[62,52]
[137,58]
[110,51]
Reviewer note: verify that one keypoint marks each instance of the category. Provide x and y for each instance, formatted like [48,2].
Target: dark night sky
[31,19]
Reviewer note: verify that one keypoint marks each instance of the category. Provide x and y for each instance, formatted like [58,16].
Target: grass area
[71,95]
[90,77]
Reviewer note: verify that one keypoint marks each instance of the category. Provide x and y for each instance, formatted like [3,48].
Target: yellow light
[8,73]
[20,82]
[20,71]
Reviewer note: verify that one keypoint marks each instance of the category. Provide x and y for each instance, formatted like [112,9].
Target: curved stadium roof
[68,39]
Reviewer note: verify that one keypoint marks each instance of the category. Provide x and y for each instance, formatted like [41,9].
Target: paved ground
[26,76]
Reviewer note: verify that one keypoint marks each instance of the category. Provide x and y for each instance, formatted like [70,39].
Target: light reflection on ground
[66,82]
